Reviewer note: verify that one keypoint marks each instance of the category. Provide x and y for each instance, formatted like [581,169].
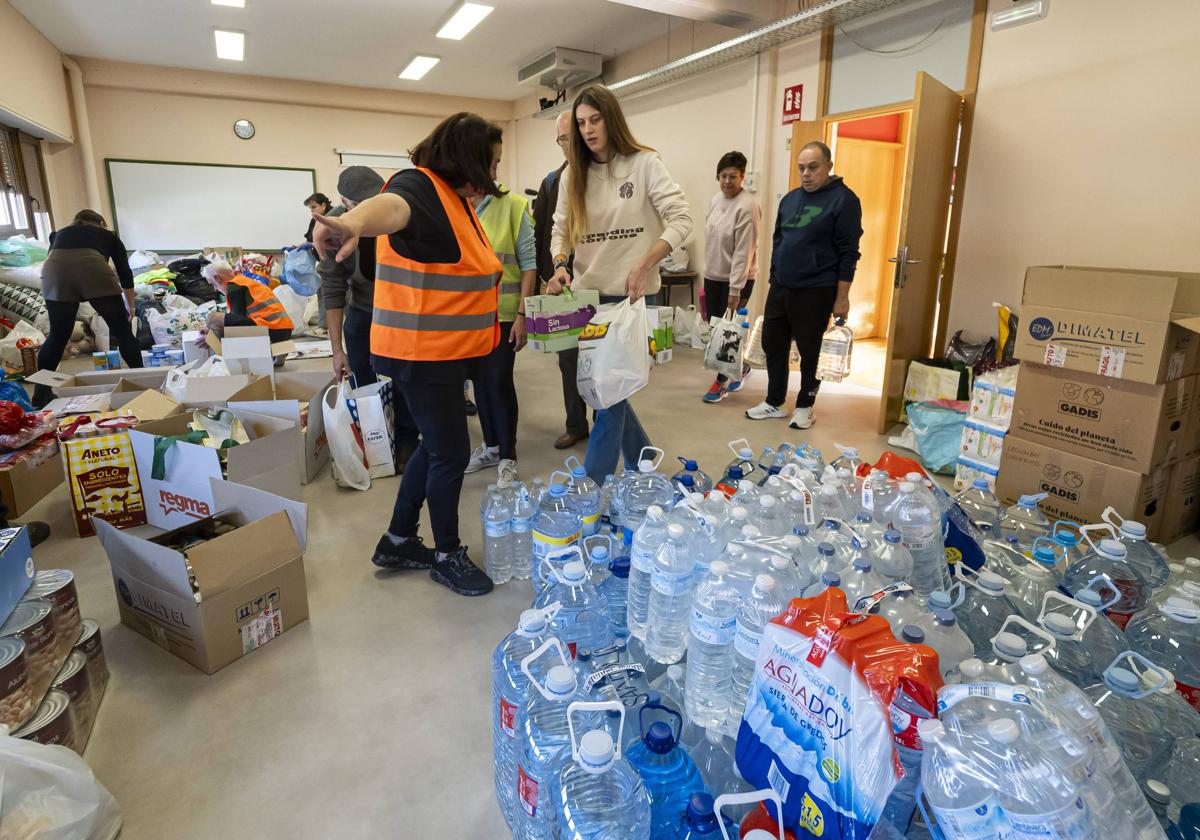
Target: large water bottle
[984,610]
[670,597]
[1109,560]
[599,794]
[919,525]
[769,517]
[743,459]
[860,581]
[981,506]
[639,491]
[1133,721]
[1139,552]
[701,481]
[711,631]
[1032,578]
[700,821]
[1103,641]
[608,493]
[953,646]
[965,804]
[586,495]
[1178,717]
[615,590]
[667,771]
[646,539]
[582,618]
[1071,657]
[1025,521]
[497,540]
[765,462]
[833,365]
[1067,544]
[556,527]
[891,559]
[754,614]
[509,689]
[832,504]
[523,511]
[1182,775]
[1170,637]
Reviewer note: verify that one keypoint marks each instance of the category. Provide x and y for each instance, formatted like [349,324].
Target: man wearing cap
[350,320]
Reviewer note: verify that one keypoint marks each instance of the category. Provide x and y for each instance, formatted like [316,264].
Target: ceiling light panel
[236,4]
[231,46]
[418,67]
[464,20]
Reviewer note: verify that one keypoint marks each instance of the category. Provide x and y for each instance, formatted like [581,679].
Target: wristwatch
[562,264]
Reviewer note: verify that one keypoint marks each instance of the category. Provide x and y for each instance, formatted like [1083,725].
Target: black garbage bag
[189,282]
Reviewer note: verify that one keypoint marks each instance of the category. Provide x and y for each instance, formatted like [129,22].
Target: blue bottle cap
[825,549]
[912,634]
[659,738]
[864,518]
[599,553]
[736,473]
[831,579]
[800,530]
[578,472]
[627,537]
[558,489]
[690,465]
[891,535]
[687,480]
[980,484]
[945,618]
[701,813]
[619,567]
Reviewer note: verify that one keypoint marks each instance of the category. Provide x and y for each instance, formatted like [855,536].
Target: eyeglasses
[562,140]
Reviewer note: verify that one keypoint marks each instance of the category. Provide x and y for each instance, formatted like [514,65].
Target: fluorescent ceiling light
[464,20]
[231,46]
[418,67]
[237,4]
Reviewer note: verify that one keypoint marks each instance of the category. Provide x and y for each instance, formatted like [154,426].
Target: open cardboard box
[292,389]
[98,381]
[270,462]
[205,391]
[249,349]
[25,481]
[250,583]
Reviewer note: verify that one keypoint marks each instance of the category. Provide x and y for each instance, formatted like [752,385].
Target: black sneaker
[410,554]
[458,573]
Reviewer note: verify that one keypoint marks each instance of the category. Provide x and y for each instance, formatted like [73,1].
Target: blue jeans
[616,430]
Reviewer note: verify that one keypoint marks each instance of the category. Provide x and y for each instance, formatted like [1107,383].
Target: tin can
[114,359]
[29,359]
[16,698]
[75,680]
[51,723]
[92,646]
[33,623]
[100,360]
[58,587]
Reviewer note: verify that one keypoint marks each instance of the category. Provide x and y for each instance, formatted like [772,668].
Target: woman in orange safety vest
[435,307]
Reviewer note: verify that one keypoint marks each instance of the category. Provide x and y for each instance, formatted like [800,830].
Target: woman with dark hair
[730,253]
[317,203]
[619,213]
[434,313]
[86,262]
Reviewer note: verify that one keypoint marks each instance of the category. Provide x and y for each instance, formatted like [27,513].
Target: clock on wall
[244,129]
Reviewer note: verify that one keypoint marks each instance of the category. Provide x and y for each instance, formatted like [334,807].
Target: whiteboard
[183,207]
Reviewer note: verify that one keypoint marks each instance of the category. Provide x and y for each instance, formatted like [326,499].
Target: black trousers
[496,395]
[716,301]
[62,322]
[434,473]
[576,408]
[799,315]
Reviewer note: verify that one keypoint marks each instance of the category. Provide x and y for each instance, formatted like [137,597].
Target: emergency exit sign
[792,97]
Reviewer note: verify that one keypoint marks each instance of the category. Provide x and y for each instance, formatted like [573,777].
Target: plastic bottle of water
[615,590]
[981,506]
[1109,559]
[1067,541]
[828,561]
[711,631]
[984,610]
[646,540]
[876,494]
[509,689]
[1071,657]
[769,517]
[670,597]
[668,772]
[791,584]
[599,794]
[891,559]
[832,504]
[1182,775]
[966,805]
[901,606]
[920,529]
[1100,635]
[743,459]
[585,493]
[639,491]
[700,821]
[765,462]
[1007,648]
[497,540]
[1140,552]
[582,619]
[700,479]
[953,646]
[1170,637]
[1179,719]
[1132,719]
[1024,521]
[860,580]
[833,365]
[1033,578]
[521,528]
[556,527]
[608,492]
[755,612]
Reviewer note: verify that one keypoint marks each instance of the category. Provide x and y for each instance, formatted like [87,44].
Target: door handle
[906,262]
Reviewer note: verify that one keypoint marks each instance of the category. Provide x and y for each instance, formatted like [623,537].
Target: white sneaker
[765,411]
[484,456]
[506,473]
[802,418]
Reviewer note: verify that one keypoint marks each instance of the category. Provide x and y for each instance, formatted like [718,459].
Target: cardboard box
[293,390]
[205,391]
[1182,514]
[270,462]
[250,583]
[249,349]
[1126,424]
[662,332]
[97,381]
[195,347]
[1079,488]
[1135,325]
[16,568]
[554,322]
[28,475]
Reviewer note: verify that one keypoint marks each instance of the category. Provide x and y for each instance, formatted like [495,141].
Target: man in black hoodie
[813,257]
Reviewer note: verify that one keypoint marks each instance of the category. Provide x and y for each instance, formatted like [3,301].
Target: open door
[924,213]
[803,131]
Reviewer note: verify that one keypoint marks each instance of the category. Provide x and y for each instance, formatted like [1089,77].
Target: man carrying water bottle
[813,257]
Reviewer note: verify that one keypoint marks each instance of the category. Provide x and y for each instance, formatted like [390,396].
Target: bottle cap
[1044,555]
[907,487]
[825,549]
[560,680]
[596,751]
[767,501]
[946,618]
[800,530]
[930,728]
[971,668]
[792,542]
[1004,731]
[739,513]
[690,465]
[675,672]
[619,567]
[600,552]
[1113,548]
[832,525]
[764,583]
[675,531]
[718,568]
[992,582]
[574,572]
[745,453]
[659,738]
[1090,597]
[1158,792]
[735,473]
[980,484]
[1010,646]
[862,564]
[1122,680]
[686,480]
[831,579]
[1133,529]
[700,812]
[913,634]
[1034,664]
[940,599]
[1059,624]
[531,621]
[578,472]
[654,512]
[891,535]
[558,489]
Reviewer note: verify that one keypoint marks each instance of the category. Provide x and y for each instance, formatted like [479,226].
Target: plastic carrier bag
[614,355]
[300,270]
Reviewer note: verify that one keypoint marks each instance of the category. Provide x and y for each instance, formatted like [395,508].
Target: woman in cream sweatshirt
[619,214]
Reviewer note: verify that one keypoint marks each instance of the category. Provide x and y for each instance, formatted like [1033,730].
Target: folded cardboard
[1182,513]
[1126,424]
[1079,489]
[249,349]
[205,391]
[298,399]
[28,475]
[16,567]
[249,583]
[180,491]
[98,381]
[1126,324]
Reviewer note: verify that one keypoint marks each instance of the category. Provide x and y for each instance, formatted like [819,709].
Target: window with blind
[24,196]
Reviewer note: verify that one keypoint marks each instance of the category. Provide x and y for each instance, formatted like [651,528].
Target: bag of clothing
[145,335]
[726,346]
[190,283]
[614,355]
[300,270]
[295,305]
[938,427]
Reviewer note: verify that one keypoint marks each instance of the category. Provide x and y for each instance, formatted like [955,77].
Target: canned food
[51,723]
[114,359]
[33,623]
[29,355]
[58,587]
[100,360]
[92,646]
[16,699]
[74,679]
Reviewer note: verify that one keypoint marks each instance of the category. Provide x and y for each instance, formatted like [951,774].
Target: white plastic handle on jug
[571,467]
[748,799]
[737,450]
[1109,514]
[1130,662]
[560,558]
[552,642]
[595,706]
[568,479]
[1109,585]
[1086,532]
[654,462]
[1032,628]
[1081,622]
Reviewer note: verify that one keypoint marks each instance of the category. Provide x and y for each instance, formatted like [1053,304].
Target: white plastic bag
[10,354]
[373,424]
[614,355]
[49,793]
[168,327]
[349,469]
[726,345]
[295,305]
[175,385]
[100,333]
[689,327]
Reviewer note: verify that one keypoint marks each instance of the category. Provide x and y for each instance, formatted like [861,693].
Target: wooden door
[803,131]
[924,213]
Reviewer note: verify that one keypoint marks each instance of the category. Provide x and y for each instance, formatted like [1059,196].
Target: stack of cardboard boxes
[1108,409]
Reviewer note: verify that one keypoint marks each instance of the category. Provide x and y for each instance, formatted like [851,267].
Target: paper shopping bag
[614,357]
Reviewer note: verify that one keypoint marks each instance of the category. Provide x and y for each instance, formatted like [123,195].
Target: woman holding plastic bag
[619,213]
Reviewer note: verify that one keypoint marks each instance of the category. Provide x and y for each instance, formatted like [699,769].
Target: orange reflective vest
[264,309]
[430,312]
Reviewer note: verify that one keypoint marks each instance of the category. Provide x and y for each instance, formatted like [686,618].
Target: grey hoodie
[355,275]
